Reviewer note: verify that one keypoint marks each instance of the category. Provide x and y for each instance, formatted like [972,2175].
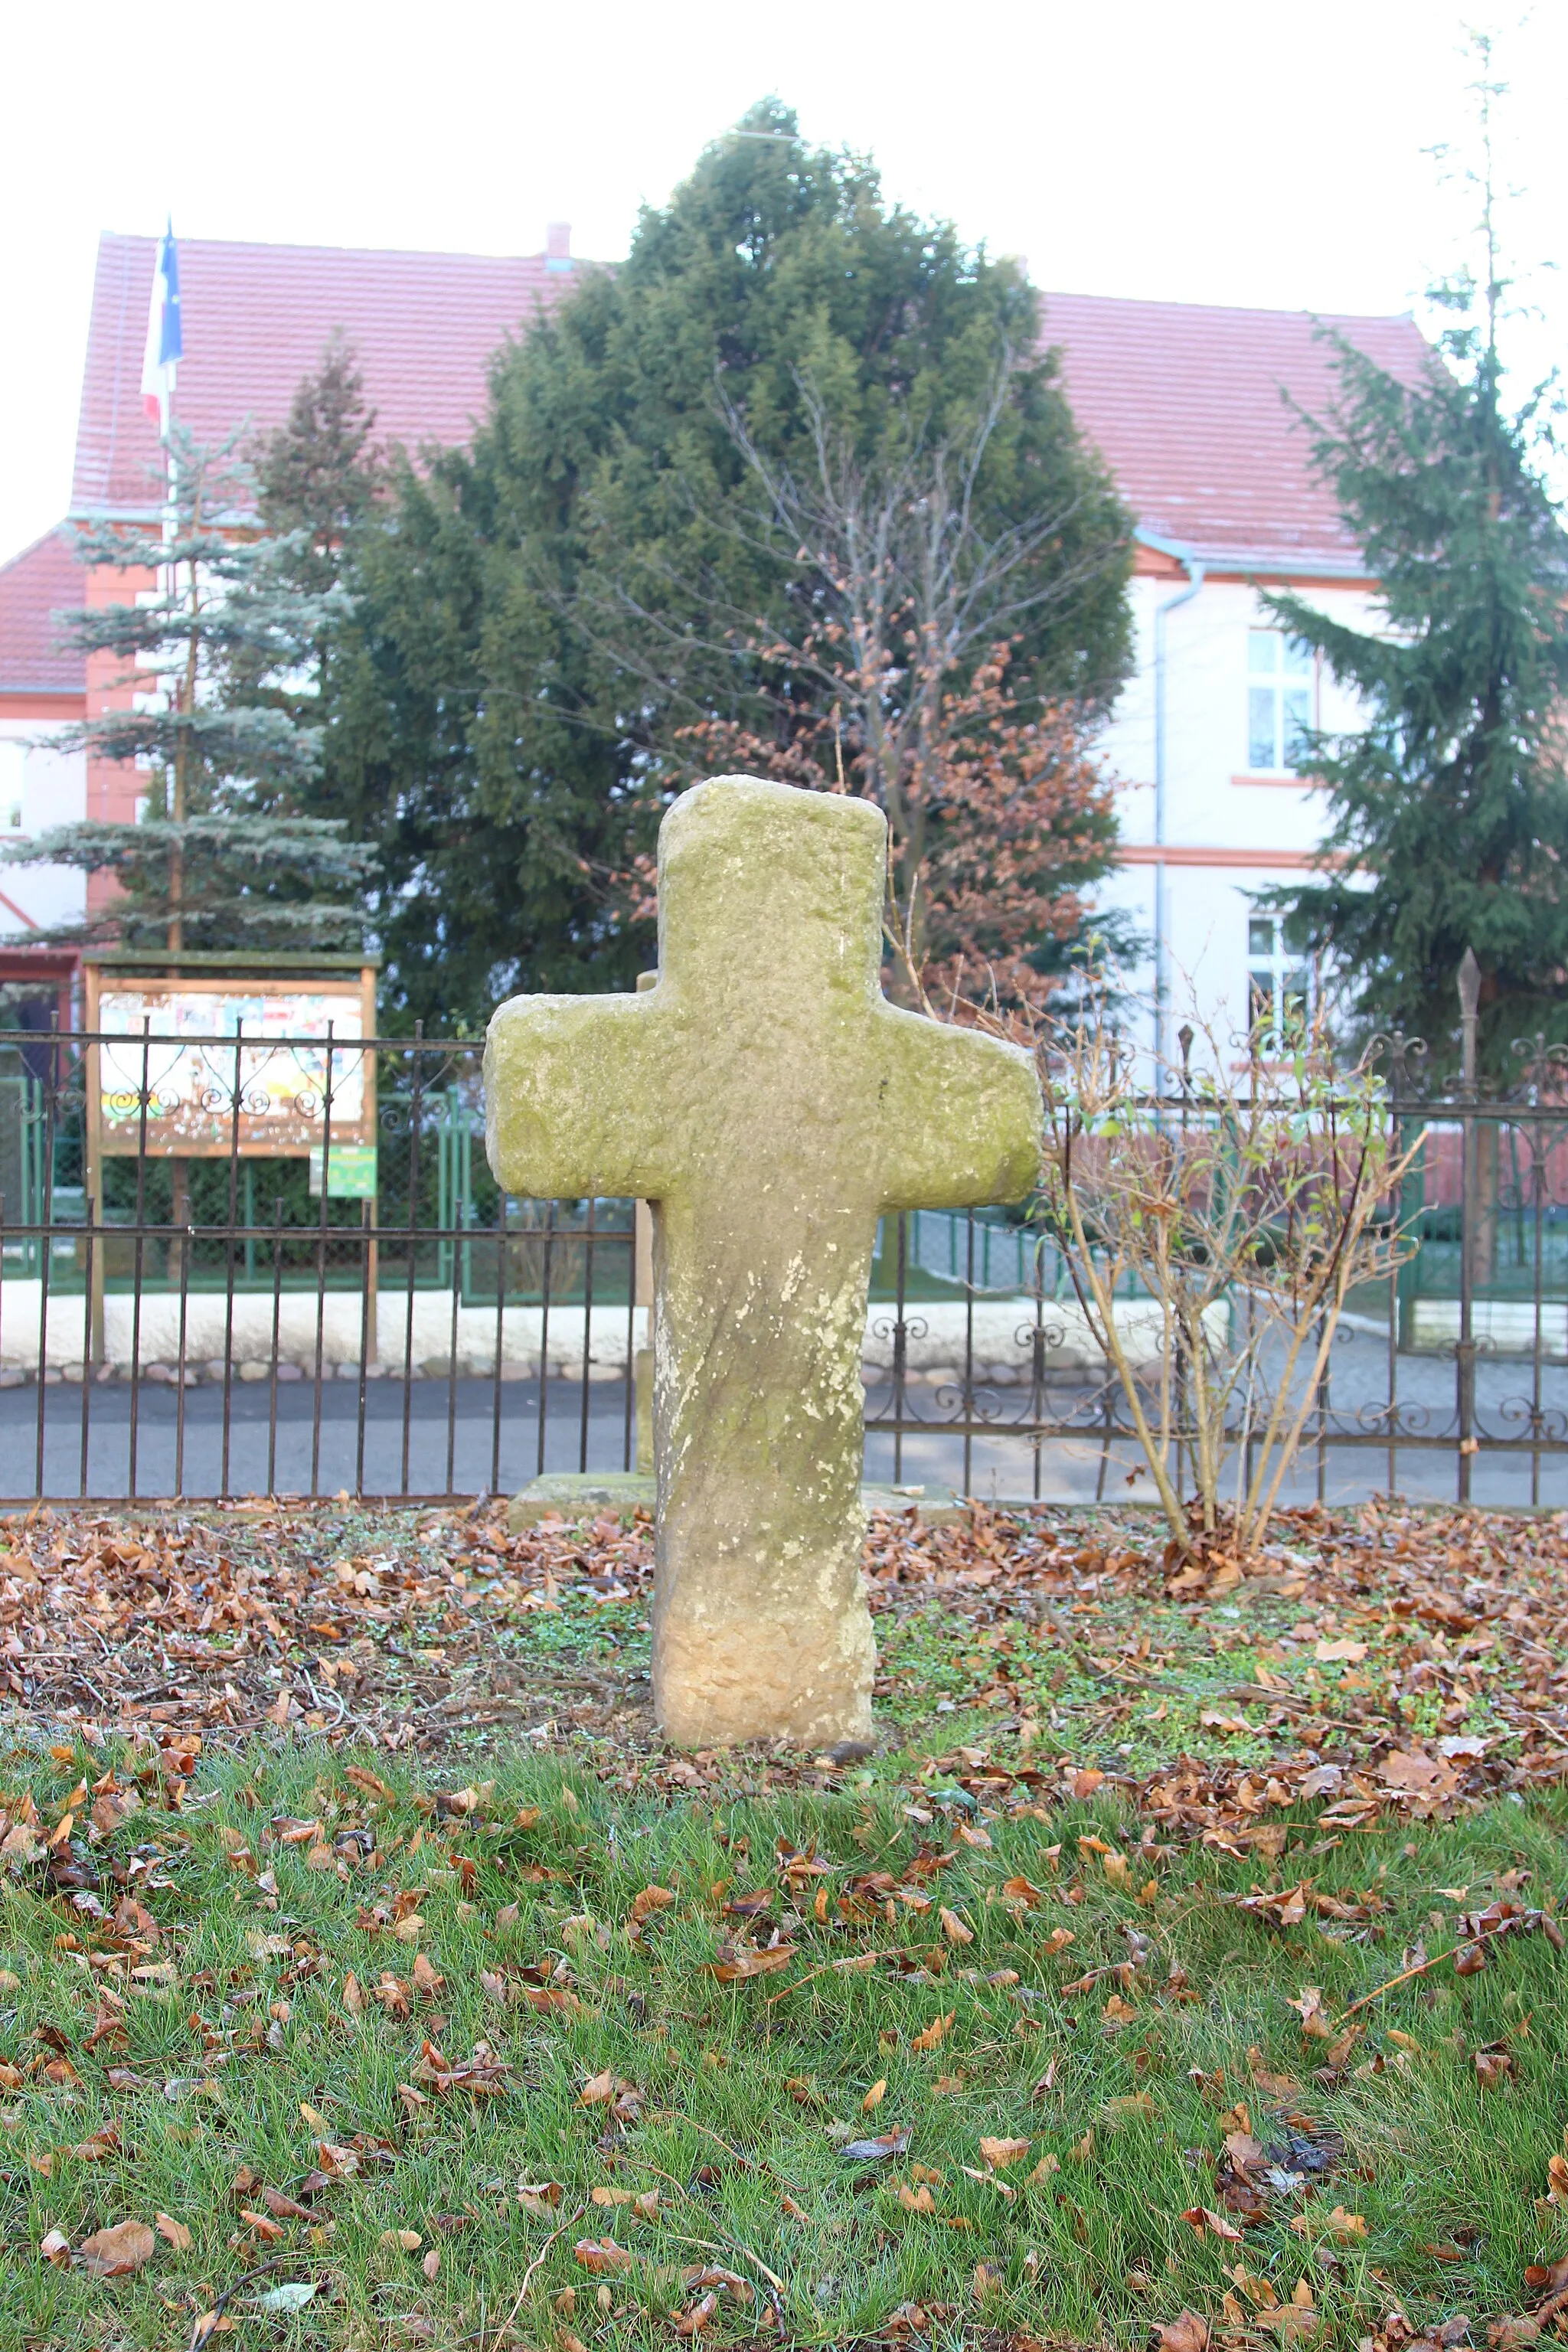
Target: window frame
[1278,683]
[1286,984]
[13,787]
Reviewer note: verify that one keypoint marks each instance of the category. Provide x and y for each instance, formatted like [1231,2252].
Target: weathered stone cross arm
[574,1107]
[960,1117]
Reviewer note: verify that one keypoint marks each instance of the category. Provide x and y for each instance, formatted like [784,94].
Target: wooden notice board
[191,1064]
[202,1066]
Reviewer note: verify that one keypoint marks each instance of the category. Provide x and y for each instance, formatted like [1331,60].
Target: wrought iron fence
[246,1323]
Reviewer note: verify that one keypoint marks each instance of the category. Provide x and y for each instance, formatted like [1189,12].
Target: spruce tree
[319,476]
[544,616]
[319,473]
[224,857]
[1448,809]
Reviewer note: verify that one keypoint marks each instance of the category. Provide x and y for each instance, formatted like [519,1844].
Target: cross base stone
[619,1494]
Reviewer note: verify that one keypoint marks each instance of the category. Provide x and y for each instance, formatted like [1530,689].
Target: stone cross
[771,1105]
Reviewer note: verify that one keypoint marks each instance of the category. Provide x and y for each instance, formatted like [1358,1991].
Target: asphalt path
[458,1443]
[1078,1466]
[452,1438]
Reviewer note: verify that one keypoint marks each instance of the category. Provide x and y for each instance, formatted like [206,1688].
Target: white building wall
[1217,806]
[39,787]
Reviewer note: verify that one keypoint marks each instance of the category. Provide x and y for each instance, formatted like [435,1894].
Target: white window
[1279,984]
[1280,681]
[12,756]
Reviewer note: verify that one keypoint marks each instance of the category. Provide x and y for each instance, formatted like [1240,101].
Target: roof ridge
[1229,309]
[55,531]
[354,252]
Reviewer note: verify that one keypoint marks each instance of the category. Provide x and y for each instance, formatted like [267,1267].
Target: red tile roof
[256,318]
[1185,402]
[44,580]
[1184,399]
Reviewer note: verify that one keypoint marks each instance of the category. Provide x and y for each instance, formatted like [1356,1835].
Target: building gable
[45,579]
[256,319]
[1188,405]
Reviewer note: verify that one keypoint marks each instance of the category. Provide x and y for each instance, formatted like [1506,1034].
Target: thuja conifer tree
[224,857]
[543,618]
[1448,809]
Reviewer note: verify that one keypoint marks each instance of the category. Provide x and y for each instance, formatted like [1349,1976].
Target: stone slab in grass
[619,1494]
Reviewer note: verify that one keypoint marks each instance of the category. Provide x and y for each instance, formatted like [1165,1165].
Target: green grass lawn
[469,2046]
[472,2008]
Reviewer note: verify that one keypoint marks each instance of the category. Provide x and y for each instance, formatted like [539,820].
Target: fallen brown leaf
[1308,2006]
[877,2151]
[114,2253]
[736,1962]
[935,2032]
[603,2254]
[1202,2218]
[1188,2332]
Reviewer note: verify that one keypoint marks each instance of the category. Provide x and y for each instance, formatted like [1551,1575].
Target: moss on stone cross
[772,1105]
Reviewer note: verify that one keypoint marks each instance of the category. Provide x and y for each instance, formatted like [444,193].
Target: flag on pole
[164,345]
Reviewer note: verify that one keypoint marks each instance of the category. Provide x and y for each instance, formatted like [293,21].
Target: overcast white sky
[1220,151]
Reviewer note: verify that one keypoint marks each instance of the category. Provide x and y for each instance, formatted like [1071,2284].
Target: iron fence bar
[187,1254]
[968,1344]
[321,1262]
[1537,1173]
[1391,1352]
[311,1041]
[415,1116]
[452,1346]
[501,1342]
[1438,1106]
[277,1318]
[1353,1440]
[217,1229]
[143,1093]
[229,1251]
[587,1333]
[1465,1348]
[88,1367]
[48,1205]
[900,1345]
[544,1327]
[628,1417]
[365,1248]
[1037,1359]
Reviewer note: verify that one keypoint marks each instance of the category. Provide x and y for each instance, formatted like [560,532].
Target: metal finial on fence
[1185,1036]
[1469,987]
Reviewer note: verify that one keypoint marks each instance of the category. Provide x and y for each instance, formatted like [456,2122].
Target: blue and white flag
[164,345]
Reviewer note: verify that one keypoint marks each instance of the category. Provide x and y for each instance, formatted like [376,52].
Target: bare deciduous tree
[890,667]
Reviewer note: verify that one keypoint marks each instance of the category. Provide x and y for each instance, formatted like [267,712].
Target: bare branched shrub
[1248,1196]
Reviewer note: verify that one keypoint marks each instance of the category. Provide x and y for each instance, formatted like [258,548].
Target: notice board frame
[164,973]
